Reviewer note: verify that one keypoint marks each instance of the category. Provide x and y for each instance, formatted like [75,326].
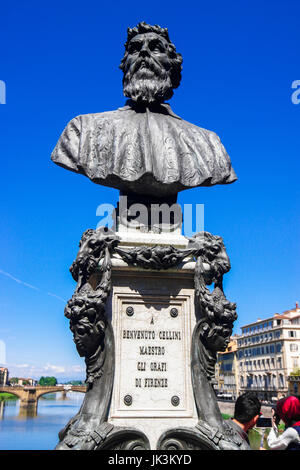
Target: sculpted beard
[146,81]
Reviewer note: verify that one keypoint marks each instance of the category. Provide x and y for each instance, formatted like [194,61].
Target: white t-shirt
[276,442]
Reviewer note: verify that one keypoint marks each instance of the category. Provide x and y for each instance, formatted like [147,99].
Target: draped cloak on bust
[143,150]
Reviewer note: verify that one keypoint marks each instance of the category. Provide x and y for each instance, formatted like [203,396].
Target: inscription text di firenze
[147,363]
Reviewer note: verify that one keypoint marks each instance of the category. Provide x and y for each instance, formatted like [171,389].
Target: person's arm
[261,447]
[276,442]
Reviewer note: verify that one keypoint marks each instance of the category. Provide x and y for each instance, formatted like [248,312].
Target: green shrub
[225,416]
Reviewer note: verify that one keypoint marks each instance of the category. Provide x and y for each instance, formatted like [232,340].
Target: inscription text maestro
[153,357]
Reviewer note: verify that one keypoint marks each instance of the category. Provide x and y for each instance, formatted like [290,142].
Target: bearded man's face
[147,68]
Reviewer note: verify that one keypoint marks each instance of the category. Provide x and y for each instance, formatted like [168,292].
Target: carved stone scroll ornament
[217,314]
[95,246]
[94,340]
[157,257]
[202,437]
[211,334]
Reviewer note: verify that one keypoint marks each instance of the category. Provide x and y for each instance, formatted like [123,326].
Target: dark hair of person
[246,407]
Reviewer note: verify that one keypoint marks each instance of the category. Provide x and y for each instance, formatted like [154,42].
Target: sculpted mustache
[151,63]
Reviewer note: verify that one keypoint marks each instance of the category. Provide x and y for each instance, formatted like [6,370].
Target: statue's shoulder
[90,119]
[202,132]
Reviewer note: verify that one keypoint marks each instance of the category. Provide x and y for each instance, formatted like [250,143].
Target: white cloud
[35,372]
[56,369]
[78,368]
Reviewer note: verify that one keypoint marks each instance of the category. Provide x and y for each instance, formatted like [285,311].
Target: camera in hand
[264,422]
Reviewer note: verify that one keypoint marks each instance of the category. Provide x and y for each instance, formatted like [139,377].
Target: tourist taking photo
[288,410]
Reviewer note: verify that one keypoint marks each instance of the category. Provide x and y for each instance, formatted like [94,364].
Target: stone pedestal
[149,330]
[153,317]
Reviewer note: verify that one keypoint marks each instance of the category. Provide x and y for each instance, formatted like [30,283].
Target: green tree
[48,381]
[13,380]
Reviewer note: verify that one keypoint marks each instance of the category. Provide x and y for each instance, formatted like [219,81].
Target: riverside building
[268,352]
[227,372]
[4,376]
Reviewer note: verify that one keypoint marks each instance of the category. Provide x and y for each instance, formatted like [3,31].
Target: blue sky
[59,60]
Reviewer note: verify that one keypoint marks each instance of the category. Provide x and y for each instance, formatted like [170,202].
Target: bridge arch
[17,393]
[81,389]
[60,390]
[29,395]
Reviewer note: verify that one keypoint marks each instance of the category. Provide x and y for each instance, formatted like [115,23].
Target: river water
[40,432]
[21,432]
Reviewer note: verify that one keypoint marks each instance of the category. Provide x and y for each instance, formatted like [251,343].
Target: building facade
[227,372]
[294,384]
[268,351]
[4,376]
[23,381]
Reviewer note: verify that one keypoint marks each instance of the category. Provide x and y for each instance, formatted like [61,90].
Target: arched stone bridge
[29,395]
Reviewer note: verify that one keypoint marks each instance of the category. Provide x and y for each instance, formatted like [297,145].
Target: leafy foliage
[48,381]
[13,380]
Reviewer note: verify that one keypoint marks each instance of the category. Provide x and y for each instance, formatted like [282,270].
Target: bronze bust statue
[148,152]
[144,147]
